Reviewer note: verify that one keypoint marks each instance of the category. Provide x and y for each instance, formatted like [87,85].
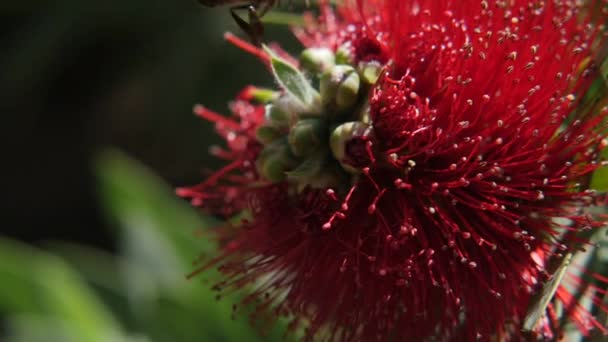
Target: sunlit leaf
[540,302]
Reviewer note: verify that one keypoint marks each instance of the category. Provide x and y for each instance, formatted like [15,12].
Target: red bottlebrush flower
[429,184]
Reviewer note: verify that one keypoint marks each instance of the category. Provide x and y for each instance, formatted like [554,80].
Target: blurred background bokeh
[96,101]
[77,77]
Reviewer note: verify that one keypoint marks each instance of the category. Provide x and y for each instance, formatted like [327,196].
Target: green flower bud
[341,135]
[267,134]
[277,116]
[273,168]
[344,54]
[306,136]
[370,72]
[317,59]
[309,168]
[339,87]
[274,161]
[318,171]
[330,177]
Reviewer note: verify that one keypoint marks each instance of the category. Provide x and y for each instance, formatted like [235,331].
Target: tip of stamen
[182,192]
[197,109]
[371,209]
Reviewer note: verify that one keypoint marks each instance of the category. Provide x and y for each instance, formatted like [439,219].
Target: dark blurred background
[96,101]
[78,76]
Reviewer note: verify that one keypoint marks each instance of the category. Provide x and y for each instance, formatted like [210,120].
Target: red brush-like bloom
[433,183]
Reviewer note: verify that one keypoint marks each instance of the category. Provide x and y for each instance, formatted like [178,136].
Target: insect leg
[265,6]
[254,27]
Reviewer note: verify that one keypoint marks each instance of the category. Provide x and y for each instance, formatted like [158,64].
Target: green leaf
[98,267]
[540,302]
[596,92]
[37,284]
[292,80]
[138,200]
[161,240]
[599,180]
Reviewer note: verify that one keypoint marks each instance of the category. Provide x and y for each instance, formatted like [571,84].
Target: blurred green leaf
[141,201]
[283,18]
[96,266]
[37,284]
[159,233]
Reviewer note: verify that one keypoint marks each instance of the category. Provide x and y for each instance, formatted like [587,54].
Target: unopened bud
[306,136]
[317,60]
[277,116]
[319,172]
[341,137]
[274,161]
[273,168]
[267,134]
[370,72]
[344,54]
[340,87]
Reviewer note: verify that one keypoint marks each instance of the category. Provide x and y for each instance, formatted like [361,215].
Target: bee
[255,9]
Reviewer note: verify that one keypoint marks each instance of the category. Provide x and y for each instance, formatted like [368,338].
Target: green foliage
[599,180]
[541,301]
[48,298]
[141,294]
[292,80]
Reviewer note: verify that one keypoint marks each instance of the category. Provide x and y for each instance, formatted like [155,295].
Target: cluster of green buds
[321,107]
